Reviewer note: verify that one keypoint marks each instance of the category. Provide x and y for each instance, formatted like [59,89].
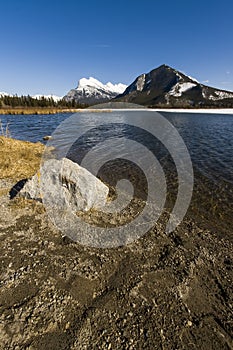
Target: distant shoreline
[28,111]
[196,110]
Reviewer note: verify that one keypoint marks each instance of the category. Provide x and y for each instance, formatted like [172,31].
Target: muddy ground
[164,291]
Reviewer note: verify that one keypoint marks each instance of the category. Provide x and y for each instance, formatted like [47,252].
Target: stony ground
[161,292]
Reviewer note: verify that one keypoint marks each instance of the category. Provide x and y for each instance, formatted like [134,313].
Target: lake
[209,140]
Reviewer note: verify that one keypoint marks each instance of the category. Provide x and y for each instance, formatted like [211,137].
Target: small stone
[47,137]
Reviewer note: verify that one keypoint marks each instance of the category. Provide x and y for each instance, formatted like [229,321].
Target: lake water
[209,140]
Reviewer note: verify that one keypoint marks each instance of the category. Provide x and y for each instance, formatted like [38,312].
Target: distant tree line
[42,102]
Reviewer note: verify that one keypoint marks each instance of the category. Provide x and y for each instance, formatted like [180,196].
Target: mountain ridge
[162,87]
[167,87]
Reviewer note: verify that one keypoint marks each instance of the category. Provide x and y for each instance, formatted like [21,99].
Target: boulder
[65,185]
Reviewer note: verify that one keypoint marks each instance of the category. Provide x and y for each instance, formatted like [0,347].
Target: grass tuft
[19,159]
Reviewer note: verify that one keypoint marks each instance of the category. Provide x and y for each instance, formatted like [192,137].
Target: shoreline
[49,111]
[196,110]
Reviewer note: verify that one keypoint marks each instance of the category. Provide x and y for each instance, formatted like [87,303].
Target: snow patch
[91,84]
[194,79]
[180,88]
[119,88]
[178,75]
[220,95]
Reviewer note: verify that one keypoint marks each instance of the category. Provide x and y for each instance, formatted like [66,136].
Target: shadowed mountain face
[166,87]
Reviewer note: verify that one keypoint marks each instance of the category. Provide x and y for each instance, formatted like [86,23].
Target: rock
[66,185]
[31,189]
[46,138]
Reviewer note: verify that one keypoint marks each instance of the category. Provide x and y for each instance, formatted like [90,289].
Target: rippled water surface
[208,137]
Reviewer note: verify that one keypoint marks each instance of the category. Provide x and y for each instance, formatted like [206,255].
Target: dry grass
[19,159]
[45,110]
[37,110]
[4,191]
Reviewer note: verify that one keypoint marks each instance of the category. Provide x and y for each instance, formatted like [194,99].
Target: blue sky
[47,46]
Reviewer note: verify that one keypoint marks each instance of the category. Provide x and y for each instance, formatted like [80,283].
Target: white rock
[66,185]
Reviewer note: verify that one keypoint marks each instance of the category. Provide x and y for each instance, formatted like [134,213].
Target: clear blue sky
[47,46]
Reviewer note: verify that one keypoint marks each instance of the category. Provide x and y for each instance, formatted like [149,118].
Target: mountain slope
[91,91]
[167,87]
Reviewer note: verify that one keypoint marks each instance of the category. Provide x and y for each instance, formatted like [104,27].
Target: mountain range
[163,87]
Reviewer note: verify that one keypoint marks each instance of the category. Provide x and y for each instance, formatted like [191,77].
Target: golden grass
[19,159]
[37,110]
[4,191]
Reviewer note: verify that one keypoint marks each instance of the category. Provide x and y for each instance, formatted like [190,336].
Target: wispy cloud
[228,72]
[205,81]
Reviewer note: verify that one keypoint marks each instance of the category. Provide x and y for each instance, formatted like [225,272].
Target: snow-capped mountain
[91,91]
[167,87]
[47,97]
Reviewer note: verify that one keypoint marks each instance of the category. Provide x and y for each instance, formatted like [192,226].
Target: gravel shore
[164,291]
[161,292]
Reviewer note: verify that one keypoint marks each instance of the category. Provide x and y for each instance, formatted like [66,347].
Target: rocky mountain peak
[167,87]
[91,91]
